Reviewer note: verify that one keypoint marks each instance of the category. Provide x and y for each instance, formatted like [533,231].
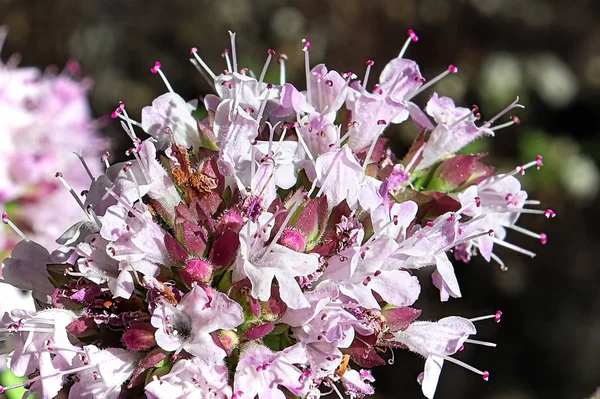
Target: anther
[8,222]
[539,161]
[498,316]
[486,375]
[412,37]
[156,67]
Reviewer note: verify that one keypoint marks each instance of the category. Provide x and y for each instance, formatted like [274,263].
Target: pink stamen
[194,52]
[281,61]
[452,69]
[369,63]
[549,213]
[539,161]
[307,69]
[486,375]
[156,67]
[413,35]
[543,238]
[498,316]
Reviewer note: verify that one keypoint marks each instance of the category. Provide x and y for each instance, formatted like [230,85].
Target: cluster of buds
[267,250]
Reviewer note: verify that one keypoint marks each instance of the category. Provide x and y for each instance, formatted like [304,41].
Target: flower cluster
[267,249]
[45,121]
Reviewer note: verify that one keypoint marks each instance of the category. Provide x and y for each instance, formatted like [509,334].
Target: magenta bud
[398,319]
[194,238]
[293,240]
[175,250]
[196,271]
[259,331]
[231,220]
[139,338]
[224,249]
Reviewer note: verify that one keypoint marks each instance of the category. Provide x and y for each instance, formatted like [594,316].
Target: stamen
[495,316]
[513,247]
[348,76]
[71,191]
[372,146]
[225,54]
[468,115]
[306,48]
[263,73]
[466,239]
[549,213]
[485,374]
[90,211]
[515,121]
[367,72]
[194,52]
[482,343]
[125,205]
[267,93]
[495,257]
[542,237]
[13,226]
[519,169]
[85,166]
[156,69]
[206,77]
[281,60]
[412,37]
[233,51]
[451,69]
[302,142]
[514,104]
[104,159]
[127,169]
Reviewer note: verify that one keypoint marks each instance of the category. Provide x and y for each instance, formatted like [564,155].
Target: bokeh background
[545,51]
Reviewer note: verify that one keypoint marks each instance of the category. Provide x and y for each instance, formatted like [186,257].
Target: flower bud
[228,340]
[293,240]
[139,338]
[196,271]
[231,220]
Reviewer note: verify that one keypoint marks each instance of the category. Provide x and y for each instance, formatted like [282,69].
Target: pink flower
[188,325]
[260,372]
[191,378]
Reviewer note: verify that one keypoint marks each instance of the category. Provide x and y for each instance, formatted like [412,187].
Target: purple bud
[196,271]
[231,220]
[293,240]
[194,238]
[224,249]
[175,250]
[139,338]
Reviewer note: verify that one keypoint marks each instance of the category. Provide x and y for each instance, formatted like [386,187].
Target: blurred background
[545,51]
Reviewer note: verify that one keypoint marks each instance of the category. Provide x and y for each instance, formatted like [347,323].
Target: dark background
[547,52]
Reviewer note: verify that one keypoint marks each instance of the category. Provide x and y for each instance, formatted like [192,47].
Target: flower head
[267,249]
